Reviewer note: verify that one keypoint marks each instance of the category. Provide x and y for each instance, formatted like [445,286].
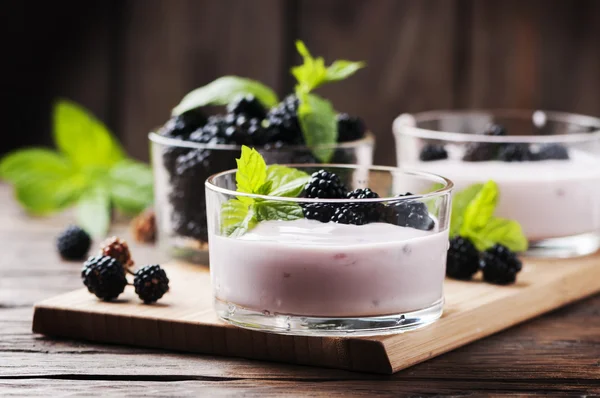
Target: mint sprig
[253,176]
[473,217]
[316,115]
[224,90]
[89,170]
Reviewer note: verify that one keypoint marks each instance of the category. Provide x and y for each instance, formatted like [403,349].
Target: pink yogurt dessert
[549,198]
[308,268]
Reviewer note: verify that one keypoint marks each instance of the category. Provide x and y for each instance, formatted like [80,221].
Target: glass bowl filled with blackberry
[327,249]
[546,166]
[193,144]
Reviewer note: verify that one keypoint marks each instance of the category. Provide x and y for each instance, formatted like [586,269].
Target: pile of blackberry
[247,122]
[105,275]
[499,265]
[485,151]
[327,185]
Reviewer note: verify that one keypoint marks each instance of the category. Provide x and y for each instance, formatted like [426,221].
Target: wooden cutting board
[184,320]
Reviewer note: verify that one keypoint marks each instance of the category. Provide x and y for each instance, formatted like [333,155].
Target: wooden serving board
[184,320]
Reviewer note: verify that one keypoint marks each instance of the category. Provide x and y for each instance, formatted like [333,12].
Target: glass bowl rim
[369,138]
[402,126]
[446,189]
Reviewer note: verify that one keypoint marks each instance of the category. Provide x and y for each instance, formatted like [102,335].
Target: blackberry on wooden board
[104,276]
[151,283]
[462,259]
[500,265]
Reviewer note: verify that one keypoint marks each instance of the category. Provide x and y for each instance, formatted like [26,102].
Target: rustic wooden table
[558,353]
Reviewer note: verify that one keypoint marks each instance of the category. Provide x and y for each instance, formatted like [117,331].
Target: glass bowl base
[327,326]
[571,246]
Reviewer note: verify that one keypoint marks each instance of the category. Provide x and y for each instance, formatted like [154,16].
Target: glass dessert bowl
[181,167]
[367,264]
[545,164]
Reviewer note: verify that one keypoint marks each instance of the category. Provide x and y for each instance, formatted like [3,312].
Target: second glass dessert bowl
[369,264]
[546,166]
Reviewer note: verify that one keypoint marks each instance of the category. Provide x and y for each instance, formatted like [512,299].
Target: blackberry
[433,152]
[413,214]
[350,128]
[515,153]
[324,185]
[73,243]
[104,276]
[151,283]
[118,249]
[482,151]
[248,106]
[181,126]
[283,124]
[462,259]
[347,215]
[318,211]
[370,210]
[552,152]
[499,265]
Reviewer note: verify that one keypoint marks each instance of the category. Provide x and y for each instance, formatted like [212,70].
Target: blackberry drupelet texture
[413,214]
[183,125]
[318,211]
[118,249]
[348,215]
[350,128]
[432,152]
[151,283]
[372,211]
[324,185]
[483,151]
[248,106]
[462,259]
[73,243]
[104,276]
[499,265]
[283,124]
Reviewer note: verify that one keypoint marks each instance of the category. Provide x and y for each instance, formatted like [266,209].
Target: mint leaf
[502,231]
[286,181]
[36,163]
[460,201]
[276,210]
[318,122]
[251,172]
[342,69]
[224,90]
[84,139]
[237,218]
[45,195]
[265,188]
[481,209]
[131,186]
[93,211]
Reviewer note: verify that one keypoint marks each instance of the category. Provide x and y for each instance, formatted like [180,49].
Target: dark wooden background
[130,61]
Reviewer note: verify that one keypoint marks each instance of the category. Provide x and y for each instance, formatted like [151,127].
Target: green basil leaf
[131,186]
[342,69]
[84,139]
[237,218]
[460,201]
[286,181]
[502,231]
[224,90]
[276,210]
[251,172]
[318,122]
[93,211]
[481,209]
[35,163]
